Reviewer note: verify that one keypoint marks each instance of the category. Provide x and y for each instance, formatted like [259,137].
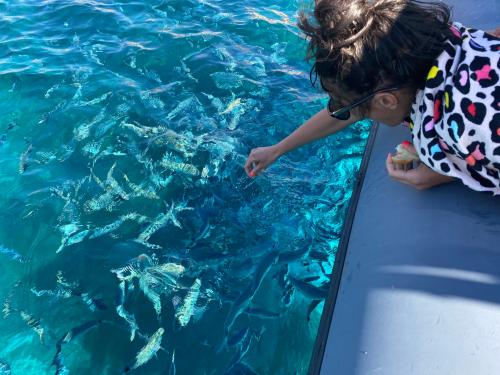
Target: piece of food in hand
[405,158]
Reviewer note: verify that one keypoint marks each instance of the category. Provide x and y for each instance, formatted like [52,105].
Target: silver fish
[83,131]
[149,350]
[106,201]
[6,306]
[159,279]
[139,190]
[129,318]
[58,293]
[162,219]
[34,324]
[154,279]
[188,308]
[72,236]
[176,164]
[23,160]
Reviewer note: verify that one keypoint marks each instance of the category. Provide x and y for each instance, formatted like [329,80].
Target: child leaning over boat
[398,61]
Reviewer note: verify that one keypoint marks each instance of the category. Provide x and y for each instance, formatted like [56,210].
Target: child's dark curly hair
[360,45]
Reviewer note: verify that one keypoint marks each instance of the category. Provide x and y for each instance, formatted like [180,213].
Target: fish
[71,236]
[245,298]
[6,307]
[172,163]
[242,350]
[149,350]
[120,309]
[4,368]
[157,280]
[12,254]
[308,289]
[62,282]
[227,80]
[172,370]
[154,279]
[23,159]
[99,232]
[159,222]
[92,303]
[83,131]
[183,106]
[188,308]
[293,255]
[311,278]
[311,308]
[231,106]
[112,185]
[67,337]
[162,220]
[262,313]
[34,324]
[139,191]
[57,293]
[216,102]
[237,337]
[96,100]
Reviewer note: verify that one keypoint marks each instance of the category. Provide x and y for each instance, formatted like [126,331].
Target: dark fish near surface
[292,255]
[242,350]
[238,336]
[310,279]
[308,289]
[240,305]
[67,337]
[311,308]
[92,303]
[262,313]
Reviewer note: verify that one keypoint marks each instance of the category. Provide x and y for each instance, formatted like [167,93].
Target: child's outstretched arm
[318,126]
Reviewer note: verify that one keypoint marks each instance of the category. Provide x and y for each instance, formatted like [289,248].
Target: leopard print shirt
[455,119]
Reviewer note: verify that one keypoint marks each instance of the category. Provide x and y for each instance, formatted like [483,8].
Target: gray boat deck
[416,289]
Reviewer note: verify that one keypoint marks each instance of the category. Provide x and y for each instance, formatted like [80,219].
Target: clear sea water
[124,205]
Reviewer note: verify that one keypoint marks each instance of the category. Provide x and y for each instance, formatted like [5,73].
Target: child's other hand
[420,178]
[259,159]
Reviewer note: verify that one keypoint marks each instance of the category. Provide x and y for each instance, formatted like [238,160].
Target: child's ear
[386,101]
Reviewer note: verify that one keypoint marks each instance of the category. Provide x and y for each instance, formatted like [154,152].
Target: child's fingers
[257,168]
[393,172]
[249,165]
[252,167]
[389,165]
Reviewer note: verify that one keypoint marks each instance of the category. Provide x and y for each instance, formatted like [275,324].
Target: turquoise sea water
[126,215]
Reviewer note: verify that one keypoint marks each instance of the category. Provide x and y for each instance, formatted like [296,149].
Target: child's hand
[259,159]
[420,178]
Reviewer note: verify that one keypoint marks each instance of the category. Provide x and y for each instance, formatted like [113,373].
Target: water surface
[125,208]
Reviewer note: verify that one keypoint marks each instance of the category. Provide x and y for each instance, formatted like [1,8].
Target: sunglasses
[345,112]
